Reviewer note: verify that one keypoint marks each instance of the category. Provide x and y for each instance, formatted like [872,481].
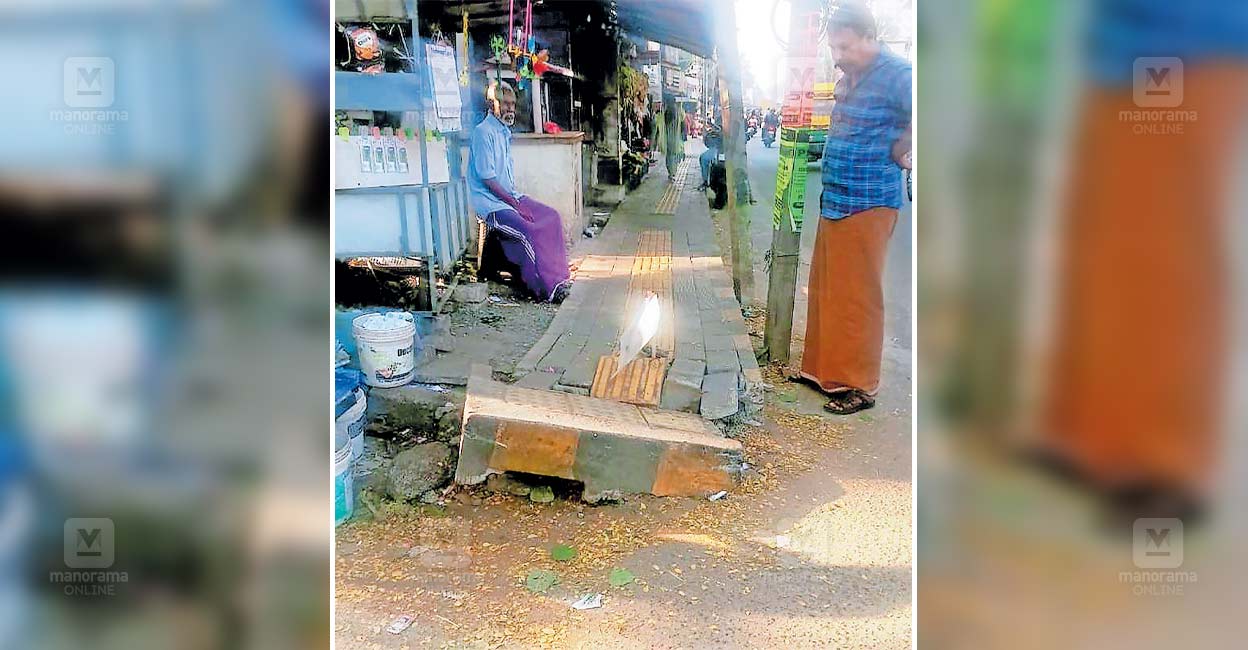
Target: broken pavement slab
[612,448]
[719,395]
[682,390]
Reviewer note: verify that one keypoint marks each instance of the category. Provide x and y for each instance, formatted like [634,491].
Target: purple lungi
[536,247]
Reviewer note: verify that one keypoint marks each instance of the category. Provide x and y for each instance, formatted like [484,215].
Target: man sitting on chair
[529,233]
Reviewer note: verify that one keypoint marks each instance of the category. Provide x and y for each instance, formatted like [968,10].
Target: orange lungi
[1137,381]
[845,319]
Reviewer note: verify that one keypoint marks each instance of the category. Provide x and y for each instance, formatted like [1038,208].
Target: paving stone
[714,327]
[722,361]
[563,352]
[719,343]
[682,390]
[539,380]
[747,359]
[580,371]
[692,350]
[719,395]
[734,323]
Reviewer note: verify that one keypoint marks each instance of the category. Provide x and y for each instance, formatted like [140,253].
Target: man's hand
[901,151]
[524,213]
[901,154]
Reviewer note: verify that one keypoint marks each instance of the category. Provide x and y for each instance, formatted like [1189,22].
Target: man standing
[675,145]
[771,119]
[529,233]
[868,145]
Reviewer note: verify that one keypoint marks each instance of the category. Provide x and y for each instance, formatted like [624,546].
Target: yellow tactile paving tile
[652,273]
[640,383]
[671,196]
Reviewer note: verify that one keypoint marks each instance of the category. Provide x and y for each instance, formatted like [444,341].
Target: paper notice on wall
[445,85]
[790,203]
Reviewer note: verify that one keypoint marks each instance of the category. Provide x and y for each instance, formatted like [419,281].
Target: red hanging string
[528,26]
[511,23]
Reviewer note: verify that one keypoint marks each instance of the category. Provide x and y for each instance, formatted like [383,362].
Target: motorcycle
[751,128]
[769,135]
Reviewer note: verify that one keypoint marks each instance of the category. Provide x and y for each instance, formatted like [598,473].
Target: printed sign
[445,85]
[790,202]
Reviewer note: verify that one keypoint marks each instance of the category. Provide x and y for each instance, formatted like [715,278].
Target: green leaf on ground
[562,553]
[540,580]
[787,396]
[620,577]
[542,494]
[431,510]
[866,418]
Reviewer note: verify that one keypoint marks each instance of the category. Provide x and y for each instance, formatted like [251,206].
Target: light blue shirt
[490,158]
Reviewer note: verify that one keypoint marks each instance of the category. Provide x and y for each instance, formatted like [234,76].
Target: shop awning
[686,24]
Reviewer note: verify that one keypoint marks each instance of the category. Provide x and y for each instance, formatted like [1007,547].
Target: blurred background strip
[1081,446]
[163,324]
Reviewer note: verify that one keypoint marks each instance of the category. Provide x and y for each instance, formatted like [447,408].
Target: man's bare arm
[901,149]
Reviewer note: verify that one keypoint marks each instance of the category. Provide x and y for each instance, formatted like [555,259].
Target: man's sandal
[847,401]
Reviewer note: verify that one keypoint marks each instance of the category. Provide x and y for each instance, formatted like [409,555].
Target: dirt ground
[509,324]
[813,550]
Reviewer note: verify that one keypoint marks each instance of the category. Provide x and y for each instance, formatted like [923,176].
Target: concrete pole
[734,155]
[785,242]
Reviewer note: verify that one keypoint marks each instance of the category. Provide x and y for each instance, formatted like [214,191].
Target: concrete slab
[719,395]
[539,380]
[718,361]
[682,390]
[612,448]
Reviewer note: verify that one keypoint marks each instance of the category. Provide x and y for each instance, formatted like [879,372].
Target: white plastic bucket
[344,492]
[386,346]
[352,421]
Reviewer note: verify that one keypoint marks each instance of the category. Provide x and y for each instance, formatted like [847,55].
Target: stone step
[612,448]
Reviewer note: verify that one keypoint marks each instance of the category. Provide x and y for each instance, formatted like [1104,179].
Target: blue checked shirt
[858,169]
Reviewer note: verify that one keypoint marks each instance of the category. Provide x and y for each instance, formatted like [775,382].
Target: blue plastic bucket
[343,488]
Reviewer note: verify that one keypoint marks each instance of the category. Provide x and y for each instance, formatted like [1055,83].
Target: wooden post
[785,240]
[734,156]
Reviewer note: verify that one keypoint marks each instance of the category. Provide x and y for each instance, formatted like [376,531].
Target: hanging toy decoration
[497,46]
[523,73]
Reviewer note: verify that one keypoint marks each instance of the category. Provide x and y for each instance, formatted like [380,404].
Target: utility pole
[786,234]
[734,155]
